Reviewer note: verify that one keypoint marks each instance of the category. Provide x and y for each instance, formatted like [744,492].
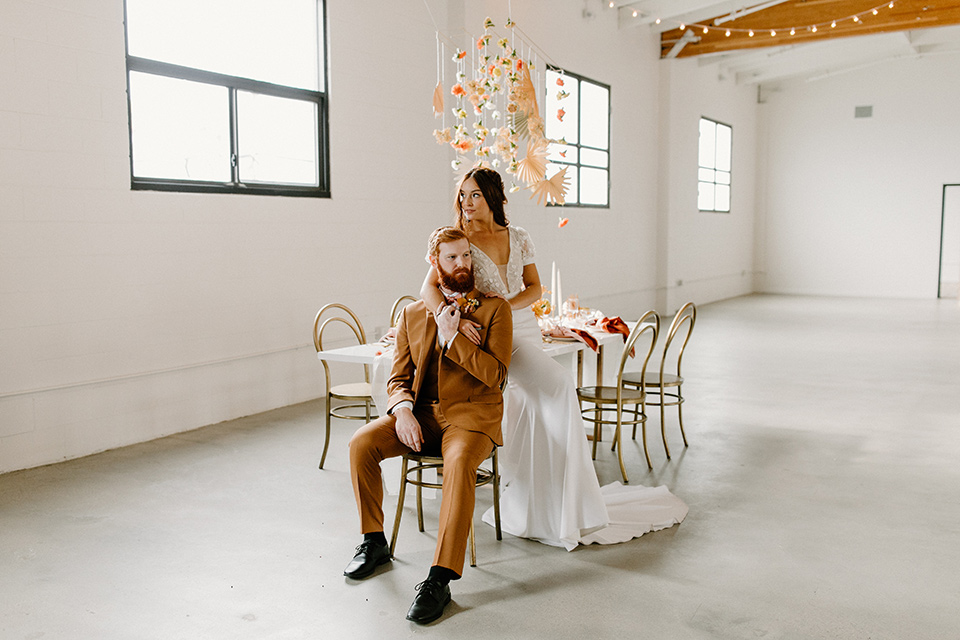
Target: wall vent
[863,112]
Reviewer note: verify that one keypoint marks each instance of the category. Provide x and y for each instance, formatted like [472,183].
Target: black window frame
[578,145]
[233,84]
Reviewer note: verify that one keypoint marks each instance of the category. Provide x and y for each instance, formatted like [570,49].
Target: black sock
[376,536]
[443,575]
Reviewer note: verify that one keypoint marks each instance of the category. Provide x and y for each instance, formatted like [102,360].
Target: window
[578,115]
[228,96]
[714,175]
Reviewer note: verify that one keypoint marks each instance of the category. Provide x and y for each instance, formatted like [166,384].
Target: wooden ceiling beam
[801,16]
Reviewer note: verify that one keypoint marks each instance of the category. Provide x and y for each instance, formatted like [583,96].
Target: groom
[444,397]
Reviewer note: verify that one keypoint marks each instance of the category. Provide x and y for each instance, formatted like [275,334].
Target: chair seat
[653,379]
[608,395]
[352,390]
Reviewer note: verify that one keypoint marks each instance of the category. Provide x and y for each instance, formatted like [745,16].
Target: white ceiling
[772,65]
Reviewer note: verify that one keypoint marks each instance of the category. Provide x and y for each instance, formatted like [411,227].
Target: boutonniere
[467,305]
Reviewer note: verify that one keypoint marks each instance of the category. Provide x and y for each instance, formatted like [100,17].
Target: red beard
[460,281]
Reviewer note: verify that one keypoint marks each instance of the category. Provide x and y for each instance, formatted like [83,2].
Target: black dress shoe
[430,601]
[370,555]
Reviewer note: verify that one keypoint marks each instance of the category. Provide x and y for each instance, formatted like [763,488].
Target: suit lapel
[428,335]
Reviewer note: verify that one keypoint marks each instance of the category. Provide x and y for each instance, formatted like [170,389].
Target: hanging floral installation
[496,110]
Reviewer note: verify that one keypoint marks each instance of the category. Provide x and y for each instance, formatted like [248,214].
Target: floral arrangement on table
[496,112]
[542,307]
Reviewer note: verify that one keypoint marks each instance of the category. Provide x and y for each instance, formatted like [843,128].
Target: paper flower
[532,167]
[551,190]
[460,55]
[443,136]
[488,23]
[482,42]
[559,82]
[562,223]
[560,114]
[438,100]
[457,90]
[510,23]
[503,43]
[562,94]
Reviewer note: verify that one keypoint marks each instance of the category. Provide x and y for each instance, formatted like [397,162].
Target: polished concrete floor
[823,480]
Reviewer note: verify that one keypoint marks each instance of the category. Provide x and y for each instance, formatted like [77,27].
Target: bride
[551,490]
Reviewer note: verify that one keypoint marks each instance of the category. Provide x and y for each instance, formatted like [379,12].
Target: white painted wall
[125,316]
[852,206]
[704,256]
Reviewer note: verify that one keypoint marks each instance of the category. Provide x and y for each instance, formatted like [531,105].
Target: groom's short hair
[442,235]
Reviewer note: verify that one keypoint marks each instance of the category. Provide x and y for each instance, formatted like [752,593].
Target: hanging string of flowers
[496,111]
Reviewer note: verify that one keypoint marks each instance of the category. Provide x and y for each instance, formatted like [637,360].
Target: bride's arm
[531,288]
[431,296]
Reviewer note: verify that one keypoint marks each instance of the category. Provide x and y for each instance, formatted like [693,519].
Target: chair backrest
[649,323]
[322,324]
[682,325]
[398,306]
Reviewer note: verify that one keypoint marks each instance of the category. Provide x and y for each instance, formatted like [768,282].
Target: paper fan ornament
[552,189]
[438,100]
[532,168]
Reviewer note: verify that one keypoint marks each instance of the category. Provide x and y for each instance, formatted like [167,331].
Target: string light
[813,28]
[612,4]
[634,13]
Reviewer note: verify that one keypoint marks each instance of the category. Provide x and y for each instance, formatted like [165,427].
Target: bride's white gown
[551,492]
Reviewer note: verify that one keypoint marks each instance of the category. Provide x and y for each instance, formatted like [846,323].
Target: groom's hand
[448,322]
[408,429]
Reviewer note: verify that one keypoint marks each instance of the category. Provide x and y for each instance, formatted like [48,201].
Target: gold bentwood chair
[626,403]
[667,386]
[398,306]
[422,462]
[355,395]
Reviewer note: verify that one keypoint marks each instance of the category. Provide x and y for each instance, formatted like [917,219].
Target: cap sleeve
[527,251]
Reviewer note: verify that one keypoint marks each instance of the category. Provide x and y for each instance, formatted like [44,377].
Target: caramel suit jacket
[470,377]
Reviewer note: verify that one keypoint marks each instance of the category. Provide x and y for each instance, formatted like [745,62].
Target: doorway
[949,284]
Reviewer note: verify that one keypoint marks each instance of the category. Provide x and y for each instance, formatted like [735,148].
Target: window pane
[562,153]
[705,196]
[572,196]
[723,147]
[723,177]
[593,186]
[706,175]
[178,129]
[723,198]
[231,37]
[277,139]
[567,128]
[595,106]
[594,158]
[707,143]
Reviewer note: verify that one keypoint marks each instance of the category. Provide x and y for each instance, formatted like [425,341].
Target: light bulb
[657,20]
[793,31]
[833,24]
[814,28]
[875,12]
[772,33]
[751,33]
[856,19]
[634,14]
[705,30]
[728,33]
[611,5]
[682,26]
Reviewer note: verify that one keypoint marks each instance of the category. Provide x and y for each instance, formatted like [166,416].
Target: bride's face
[472,202]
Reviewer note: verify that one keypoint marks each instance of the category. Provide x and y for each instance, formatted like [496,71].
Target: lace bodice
[487,275]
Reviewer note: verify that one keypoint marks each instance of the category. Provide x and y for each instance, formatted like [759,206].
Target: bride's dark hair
[491,186]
